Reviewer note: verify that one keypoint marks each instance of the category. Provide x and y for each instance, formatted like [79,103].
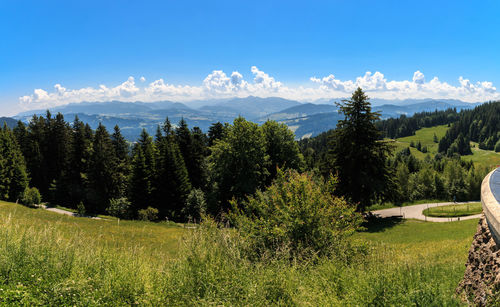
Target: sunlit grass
[51,259]
[454,210]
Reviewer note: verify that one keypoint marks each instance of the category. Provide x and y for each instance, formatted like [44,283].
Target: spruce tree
[358,155]
[13,174]
[142,173]
[102,167]
[121,151]
[172,178]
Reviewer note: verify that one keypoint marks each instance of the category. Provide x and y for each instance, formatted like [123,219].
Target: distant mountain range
[305,119]
[11,123]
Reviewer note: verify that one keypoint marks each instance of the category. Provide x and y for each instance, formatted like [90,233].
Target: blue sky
[85,44]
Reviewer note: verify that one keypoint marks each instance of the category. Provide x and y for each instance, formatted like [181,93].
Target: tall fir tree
[121,150]
[358,155]
[142,173]
[13,174]
[101,169]
[172,178]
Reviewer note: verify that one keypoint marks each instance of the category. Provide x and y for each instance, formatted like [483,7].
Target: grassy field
[388,205]
[486,158]
[454,210]
[50,259]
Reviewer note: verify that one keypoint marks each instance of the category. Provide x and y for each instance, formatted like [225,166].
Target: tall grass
[46,265]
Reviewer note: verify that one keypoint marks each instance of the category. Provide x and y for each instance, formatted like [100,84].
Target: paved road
[415,212]
[60,211]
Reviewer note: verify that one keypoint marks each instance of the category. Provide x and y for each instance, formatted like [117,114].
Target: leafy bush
[148,214]
[120,208]
[80,208]
[196,205]
[299,216]
[31,197]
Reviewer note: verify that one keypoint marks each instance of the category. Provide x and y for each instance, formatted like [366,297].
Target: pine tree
[357,155]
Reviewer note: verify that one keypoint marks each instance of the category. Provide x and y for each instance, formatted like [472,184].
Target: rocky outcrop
[481,283]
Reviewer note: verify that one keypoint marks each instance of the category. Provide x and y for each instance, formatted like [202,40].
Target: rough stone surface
[481,283]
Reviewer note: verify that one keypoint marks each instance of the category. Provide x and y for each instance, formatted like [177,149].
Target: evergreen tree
[358,155]
[78,159]
[172,178]
[215,132]
[121,151]
[143,173]
[13,174]
[102,167]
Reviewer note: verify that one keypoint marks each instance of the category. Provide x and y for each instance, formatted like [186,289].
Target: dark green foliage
[13,174]
[480,125]
[122,173]
[100,183]
[238,164]
[120,208]
[357,155]
[143,172]
[439,178]
[406,126]
[215,132]
[192,146]
[172,178]
[281,147]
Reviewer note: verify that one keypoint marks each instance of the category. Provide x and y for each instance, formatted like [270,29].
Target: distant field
[51,259]
[454,210]
[486,158]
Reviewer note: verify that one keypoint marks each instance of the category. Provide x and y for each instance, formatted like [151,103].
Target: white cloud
[218,84]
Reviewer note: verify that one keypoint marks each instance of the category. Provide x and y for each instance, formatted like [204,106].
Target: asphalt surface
[415,212]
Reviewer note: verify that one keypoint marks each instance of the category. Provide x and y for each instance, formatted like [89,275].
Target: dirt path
[415,212]
[65,212]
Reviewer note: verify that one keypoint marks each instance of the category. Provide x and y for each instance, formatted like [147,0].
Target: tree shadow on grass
[376,223]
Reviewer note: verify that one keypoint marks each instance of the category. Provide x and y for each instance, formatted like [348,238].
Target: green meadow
[454,210]
[51,259]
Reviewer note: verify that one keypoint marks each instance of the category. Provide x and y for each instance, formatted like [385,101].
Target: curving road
[415,212]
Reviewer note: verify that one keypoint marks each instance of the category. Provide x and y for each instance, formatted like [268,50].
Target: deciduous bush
[297,215]
[31,197]
[196,205]
[148,214]
[120,208]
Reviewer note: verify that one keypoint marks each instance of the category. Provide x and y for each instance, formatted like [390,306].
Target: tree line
[178,174]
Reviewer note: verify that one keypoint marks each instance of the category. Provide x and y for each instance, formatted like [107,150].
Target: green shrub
[80,208]
[120,208]
[196,205]
[297,215]
[31,197]
[148,214]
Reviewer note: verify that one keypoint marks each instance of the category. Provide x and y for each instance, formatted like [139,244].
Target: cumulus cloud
[218,84]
